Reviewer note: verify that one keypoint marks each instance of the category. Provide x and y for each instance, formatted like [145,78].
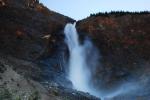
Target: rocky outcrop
[13,86]
[123,40]
[18,86]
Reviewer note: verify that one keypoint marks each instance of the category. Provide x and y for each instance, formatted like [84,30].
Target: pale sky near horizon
[79,9]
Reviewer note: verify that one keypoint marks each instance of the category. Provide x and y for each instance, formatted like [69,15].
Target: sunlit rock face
[123,40]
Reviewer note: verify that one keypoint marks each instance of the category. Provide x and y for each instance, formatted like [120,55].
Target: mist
[83,61]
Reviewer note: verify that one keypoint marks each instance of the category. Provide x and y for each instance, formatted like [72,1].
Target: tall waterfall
[79,61]
[83,58]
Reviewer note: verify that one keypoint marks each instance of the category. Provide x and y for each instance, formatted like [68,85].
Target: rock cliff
[123,39]
[32,53]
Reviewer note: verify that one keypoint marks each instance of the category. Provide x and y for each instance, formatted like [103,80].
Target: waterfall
[82,60]
[80,56]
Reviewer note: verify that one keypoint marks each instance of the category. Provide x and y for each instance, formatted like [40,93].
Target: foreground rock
[14,86]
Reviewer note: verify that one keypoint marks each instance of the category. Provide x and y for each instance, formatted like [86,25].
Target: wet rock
[67,93]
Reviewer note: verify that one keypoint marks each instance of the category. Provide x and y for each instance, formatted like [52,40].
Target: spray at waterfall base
[83,62]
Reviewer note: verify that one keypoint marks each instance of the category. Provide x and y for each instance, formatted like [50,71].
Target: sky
[80,9]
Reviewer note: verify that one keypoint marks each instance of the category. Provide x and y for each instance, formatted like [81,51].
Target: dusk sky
[79,9]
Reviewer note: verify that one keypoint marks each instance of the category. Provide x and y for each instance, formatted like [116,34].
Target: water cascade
[80,60]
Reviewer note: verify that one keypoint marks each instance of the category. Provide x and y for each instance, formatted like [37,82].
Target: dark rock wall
[31,32]
[124,44]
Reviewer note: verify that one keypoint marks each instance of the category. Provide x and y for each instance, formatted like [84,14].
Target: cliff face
[124,45]
[33,29]
[29,31]
[32,53]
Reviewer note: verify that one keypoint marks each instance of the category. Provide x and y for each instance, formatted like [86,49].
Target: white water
[82,58]
[79,72]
